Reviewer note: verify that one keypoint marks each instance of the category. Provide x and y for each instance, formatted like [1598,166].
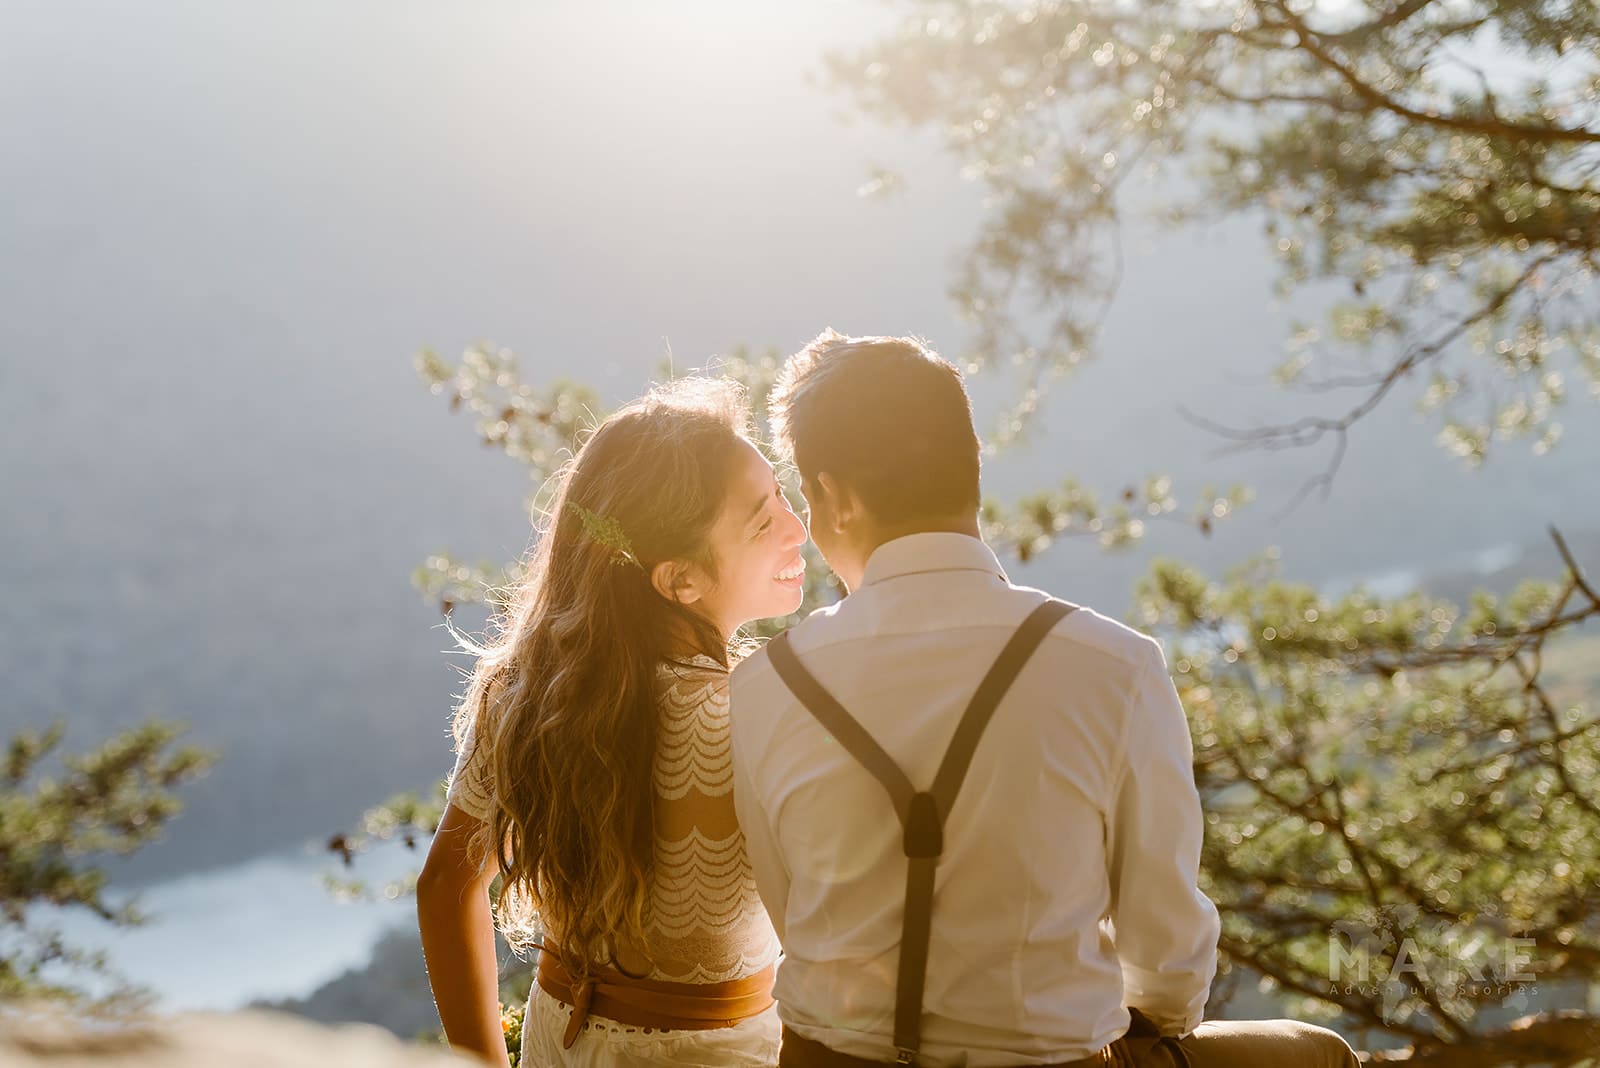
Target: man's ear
[676,581]
[844,507]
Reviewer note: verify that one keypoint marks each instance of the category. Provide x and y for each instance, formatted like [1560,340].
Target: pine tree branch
[1310,42]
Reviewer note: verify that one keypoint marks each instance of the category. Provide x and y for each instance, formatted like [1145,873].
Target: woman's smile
[794,575]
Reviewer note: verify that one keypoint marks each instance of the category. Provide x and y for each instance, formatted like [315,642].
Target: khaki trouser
[1239,1044]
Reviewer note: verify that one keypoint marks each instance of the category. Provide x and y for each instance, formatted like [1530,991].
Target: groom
[970,808]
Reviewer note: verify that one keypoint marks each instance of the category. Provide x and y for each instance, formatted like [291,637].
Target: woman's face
[756,541]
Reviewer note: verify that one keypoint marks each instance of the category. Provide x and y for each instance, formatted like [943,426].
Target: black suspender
[921,813]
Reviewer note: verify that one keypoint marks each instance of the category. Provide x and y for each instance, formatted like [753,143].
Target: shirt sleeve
[470,787]
[1165,929]
[761,842]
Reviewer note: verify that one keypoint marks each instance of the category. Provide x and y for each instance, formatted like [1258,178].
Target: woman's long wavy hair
[564,696]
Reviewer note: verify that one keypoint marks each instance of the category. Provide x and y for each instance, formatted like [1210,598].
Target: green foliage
[407,817]
[534,427]
[1389,769]
[511,1017]
[1436,162]
[1039,519]
[53,827]
[606,531]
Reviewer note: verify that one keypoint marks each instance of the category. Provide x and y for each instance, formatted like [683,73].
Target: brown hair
[885,415]
[564,700]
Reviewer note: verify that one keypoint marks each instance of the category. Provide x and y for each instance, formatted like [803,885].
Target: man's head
[880,429]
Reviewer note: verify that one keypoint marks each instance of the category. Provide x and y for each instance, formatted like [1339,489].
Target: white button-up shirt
[1067,887]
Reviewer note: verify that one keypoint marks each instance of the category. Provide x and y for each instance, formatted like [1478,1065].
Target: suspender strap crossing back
[921,813]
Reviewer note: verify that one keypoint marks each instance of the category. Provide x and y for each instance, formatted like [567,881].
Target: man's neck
[880,536]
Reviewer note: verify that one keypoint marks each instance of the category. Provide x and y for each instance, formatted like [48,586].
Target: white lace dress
[706,922]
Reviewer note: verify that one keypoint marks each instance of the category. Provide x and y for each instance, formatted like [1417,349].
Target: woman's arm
[458,939]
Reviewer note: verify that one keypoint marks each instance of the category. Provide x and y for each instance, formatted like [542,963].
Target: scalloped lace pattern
[706,924]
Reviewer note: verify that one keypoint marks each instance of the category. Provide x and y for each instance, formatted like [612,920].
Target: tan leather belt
[652,1002]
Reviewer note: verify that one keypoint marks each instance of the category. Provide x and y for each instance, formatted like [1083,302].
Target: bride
[593,770]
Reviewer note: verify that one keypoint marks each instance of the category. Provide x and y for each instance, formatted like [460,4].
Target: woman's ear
[676,581]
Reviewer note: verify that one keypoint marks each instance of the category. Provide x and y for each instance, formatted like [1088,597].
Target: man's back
[1079,806]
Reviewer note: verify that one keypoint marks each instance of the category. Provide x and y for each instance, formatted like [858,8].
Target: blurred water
[266,929]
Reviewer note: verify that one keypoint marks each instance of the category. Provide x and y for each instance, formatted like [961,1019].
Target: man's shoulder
[757,668]
[1085,628]
[1099,634]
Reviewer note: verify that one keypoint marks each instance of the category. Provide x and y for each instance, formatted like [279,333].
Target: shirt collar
[934,551]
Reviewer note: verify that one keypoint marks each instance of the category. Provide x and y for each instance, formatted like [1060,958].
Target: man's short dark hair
[888,417]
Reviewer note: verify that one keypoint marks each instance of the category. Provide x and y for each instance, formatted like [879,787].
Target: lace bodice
[706,923]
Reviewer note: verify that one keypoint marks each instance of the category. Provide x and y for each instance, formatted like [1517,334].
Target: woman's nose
[796,536]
